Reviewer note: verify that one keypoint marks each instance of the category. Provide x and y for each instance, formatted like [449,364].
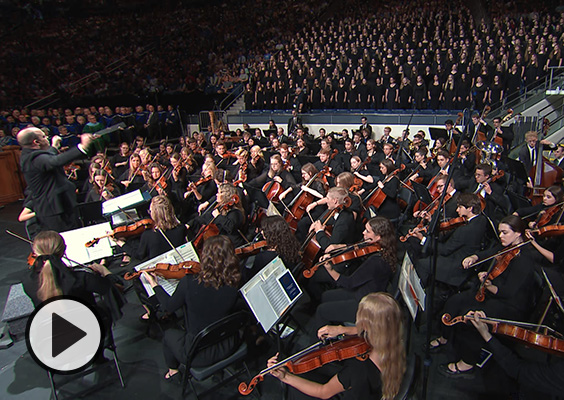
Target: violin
[242,174]
[31,259]
[125,231]
[200,181]
[250,249]
[314,357]
[511,329]
[168,271]
[545,216]
[71,170]
[356,251]
[443,226]
[549,230]
[501,263]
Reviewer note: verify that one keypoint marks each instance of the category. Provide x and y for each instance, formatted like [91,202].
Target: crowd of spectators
[152,123]
[423,55]
[174,48]
[397,55]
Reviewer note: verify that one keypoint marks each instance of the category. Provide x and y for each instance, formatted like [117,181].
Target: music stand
[257,195]
[422,192]
[517,169]
[307,159]
[553,298]
[438,133]
[270,295]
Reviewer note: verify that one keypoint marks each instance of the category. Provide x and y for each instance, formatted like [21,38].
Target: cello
[298,205]
[377,196]
[452,142]
[544,173]
[480,135]
[311,248]
[315,356]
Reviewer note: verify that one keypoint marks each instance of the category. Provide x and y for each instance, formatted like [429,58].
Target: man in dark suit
[359,146]
[528,153]
[294,123]
[497,202]
[53,195]
[152,124]
[477,125]
[365,126]
[559,156]
[463,242]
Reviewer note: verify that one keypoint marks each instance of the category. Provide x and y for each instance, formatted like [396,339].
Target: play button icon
[64,334]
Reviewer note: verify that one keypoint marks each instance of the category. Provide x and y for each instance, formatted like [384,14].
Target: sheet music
[124,202]
[410,287]
[77,238]
[271,292]
[187,252]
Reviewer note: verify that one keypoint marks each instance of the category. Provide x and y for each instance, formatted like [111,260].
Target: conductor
[52,193]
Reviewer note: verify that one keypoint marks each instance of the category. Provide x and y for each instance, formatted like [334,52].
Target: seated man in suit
[497,204]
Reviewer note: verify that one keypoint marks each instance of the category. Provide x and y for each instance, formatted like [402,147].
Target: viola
[168,271]
[517,330]
[314,357]
[126,231]
[501,263]
[357,251]
[250,249]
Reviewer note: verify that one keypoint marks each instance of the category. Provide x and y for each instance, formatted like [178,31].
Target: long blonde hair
[162,212]
[380,320]
[48,243]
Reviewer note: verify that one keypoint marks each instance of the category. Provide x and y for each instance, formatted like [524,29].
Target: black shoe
[444,370]
[176,378]
[434,349]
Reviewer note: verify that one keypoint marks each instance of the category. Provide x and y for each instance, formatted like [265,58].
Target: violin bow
[170,244]
[554,296]
[31,243]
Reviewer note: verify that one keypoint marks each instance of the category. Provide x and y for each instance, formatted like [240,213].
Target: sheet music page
[77,238]
[124,201]
[270,293]
[187,252]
